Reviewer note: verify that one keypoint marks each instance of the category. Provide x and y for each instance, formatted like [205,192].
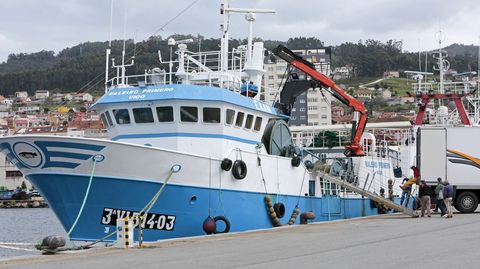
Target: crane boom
[354,148]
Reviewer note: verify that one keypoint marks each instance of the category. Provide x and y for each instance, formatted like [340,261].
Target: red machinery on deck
[455,97]
[354,149]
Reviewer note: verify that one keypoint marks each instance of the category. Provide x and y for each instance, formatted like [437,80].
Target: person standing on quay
[439,196]
[447,198]
[424,193]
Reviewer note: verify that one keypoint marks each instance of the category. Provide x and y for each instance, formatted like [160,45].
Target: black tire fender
[239,169]
[296,161]
[227,224]
[226,164]
[279,209]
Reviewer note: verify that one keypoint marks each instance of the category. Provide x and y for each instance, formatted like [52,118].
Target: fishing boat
[187,145]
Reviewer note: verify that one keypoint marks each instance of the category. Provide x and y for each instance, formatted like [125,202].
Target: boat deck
[387,241]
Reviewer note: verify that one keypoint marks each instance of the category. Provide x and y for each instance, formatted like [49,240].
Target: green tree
[327,138]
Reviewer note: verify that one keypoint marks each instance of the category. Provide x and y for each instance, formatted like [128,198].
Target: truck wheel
[466,202]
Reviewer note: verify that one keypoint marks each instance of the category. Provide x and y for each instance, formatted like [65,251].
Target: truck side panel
[463,157]
[431,154]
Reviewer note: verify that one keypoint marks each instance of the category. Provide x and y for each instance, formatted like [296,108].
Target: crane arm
[354,149]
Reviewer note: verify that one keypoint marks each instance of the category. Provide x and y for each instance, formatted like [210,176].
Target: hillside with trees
[81,68]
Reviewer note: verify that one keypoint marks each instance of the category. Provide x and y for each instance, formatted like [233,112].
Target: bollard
[124,233]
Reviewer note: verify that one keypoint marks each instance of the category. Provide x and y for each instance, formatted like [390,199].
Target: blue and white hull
[125,177]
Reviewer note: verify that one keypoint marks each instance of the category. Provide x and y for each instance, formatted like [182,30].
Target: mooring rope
[85,197]
[144,211]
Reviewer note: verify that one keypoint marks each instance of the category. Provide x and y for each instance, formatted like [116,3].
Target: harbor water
[21,228]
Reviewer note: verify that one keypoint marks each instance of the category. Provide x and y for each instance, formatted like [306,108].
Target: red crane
[354,148]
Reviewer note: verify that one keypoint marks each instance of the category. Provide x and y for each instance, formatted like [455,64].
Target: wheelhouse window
[230,115]
[165,113]
[121,116]
[239,120]
[189,114]
[104,120]
[211,115]
[249,121]
[258,124]
[143,115]
[109,118]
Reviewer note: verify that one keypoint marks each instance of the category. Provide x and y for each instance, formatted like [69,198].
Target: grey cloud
[32,25]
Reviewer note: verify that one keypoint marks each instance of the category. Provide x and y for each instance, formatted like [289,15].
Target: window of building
[324,108]
[270,77]
[165,113]
[142,115]
[211,114]
[230,115]
[258,124]
[302,109]
[324,116]
[239,120]
[15,173]
[121,116]
[188,113]
[303,117]
[302,101]
[249,121]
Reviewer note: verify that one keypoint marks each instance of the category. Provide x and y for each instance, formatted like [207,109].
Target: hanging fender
[226,164]
[227,224]
[239,169]
[296,161]
[279,209]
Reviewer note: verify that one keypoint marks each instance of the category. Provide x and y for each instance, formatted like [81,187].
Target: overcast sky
[34,25]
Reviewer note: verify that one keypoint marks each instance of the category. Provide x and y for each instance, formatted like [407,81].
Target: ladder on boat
[375,197]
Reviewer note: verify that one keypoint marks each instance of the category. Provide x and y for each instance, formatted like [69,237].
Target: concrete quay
[387,241]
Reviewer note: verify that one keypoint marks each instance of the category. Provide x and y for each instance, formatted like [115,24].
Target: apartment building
[311,108]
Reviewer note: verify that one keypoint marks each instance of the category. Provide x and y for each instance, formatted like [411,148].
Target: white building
[311,109]
[10,176]
[28,109]
[21,94]
[85,97]
[42,94]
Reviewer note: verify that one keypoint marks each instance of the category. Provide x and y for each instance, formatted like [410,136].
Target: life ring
[226,164]
[227,224]
[239,169]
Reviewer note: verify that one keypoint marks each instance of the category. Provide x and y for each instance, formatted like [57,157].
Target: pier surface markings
[388,241]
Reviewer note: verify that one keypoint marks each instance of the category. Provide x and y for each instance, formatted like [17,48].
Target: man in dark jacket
[439,196]
[424,193]
[447,198]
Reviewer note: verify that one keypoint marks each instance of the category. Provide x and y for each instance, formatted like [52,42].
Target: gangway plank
[375,197]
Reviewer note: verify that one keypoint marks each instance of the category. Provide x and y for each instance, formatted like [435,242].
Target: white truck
[452,153]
